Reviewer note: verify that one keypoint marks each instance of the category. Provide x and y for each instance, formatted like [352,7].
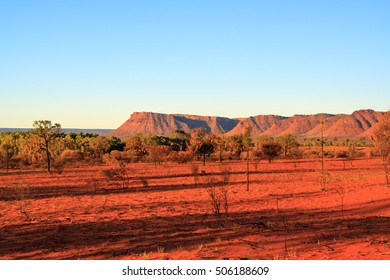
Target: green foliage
[7,149]
[99,145]
[136,146]
[262,139]
[288,142]
[29,148]
[179,140]
[235,146]
[115,144]
[46,132]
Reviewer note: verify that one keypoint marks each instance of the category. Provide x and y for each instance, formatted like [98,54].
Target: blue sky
[90,64]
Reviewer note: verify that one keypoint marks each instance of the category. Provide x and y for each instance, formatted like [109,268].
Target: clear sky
[90,64]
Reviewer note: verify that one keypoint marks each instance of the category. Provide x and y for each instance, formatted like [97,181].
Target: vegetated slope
[359,123]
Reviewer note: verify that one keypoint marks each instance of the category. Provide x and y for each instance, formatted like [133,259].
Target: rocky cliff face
[359,123]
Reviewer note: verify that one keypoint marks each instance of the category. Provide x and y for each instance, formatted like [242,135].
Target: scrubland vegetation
[43,146]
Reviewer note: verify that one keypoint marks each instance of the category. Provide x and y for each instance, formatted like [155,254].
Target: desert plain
[291,211]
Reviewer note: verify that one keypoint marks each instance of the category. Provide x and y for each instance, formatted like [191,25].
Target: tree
[220,143]
[158,153]
[7,149]
[271,150]
[116,144]
[247,141]
[288,142]
[46,132]
[135,144]
[381,137]
[99,145]
[179,140]
[235,146]
[201,144]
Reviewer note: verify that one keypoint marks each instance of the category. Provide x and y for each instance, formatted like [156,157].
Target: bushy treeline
[19,149]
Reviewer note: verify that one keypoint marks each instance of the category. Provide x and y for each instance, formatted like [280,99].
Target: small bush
[182,157]
[218,199]
[144,182]
[271,150]
[71,156]
[118,175]
[342,154]
[158,154]
[22,194]
[195,172]
[59,166]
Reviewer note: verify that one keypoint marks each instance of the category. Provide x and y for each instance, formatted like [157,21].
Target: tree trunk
[247,171]
[7,163]
[47,155]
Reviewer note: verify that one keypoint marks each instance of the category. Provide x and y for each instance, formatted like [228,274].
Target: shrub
[218,199]
[22,195]
[182,157]
[195,172]
[71,155]
[59,166]
[342,154]
[118,175]
[158,154]
[144,182]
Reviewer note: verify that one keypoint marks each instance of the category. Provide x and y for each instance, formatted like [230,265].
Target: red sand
[79,214]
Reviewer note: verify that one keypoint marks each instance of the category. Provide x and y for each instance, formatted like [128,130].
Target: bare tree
[46,132]
[381,137]
[247,141]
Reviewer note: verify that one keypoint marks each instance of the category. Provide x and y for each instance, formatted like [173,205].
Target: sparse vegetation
[323,177]
[219,200]
[341,193]
[195,172]
[118,174]
[382,143]
[170,205]
[22,194]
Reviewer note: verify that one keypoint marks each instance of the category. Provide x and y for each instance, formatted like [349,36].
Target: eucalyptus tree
[45,131]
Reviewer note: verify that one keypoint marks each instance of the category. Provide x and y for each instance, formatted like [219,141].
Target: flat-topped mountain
[359,123]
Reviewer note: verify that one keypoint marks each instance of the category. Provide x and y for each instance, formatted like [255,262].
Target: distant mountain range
[66,130]
[359,124]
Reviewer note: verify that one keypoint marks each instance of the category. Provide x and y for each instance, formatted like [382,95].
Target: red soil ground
[287,214]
